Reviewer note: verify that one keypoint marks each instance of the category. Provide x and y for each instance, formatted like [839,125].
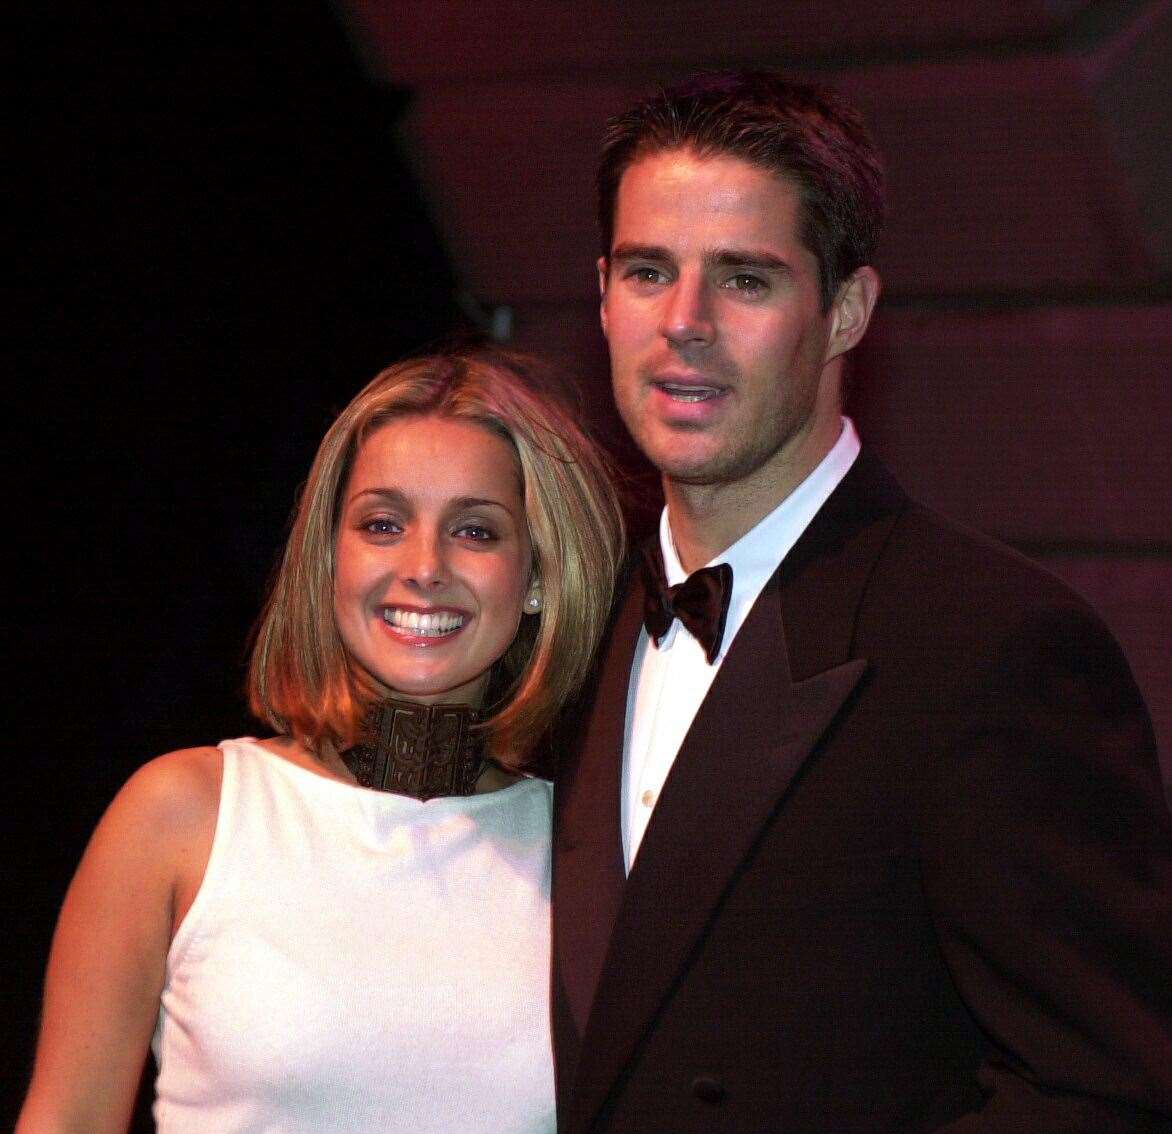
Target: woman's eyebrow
[398,497]
[393,495]
[476,502]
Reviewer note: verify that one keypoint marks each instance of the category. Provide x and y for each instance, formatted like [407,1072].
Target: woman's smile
[433,557]
[430,626]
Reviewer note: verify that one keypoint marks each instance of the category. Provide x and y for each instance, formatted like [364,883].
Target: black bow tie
[700,602]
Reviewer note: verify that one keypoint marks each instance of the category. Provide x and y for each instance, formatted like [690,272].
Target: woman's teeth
[427,625]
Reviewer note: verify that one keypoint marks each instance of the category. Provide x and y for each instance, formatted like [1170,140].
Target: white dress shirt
[669,681]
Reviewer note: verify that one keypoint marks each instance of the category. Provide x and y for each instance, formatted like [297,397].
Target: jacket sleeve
[1047,863]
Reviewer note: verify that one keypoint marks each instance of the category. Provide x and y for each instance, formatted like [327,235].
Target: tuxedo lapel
[762,718]
[748,741]
[822,579]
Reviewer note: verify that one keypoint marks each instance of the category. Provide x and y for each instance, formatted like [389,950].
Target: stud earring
[533,603]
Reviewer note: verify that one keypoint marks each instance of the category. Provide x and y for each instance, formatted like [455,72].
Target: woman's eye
[382,527]
[476,532]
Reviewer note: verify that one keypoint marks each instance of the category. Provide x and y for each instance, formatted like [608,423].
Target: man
[869,836]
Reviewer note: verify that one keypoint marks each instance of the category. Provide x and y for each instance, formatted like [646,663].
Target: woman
[345,927]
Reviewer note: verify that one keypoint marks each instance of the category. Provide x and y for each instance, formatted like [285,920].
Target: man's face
[710,307]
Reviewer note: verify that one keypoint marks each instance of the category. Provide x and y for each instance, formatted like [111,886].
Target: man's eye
[646,275]
[749,284]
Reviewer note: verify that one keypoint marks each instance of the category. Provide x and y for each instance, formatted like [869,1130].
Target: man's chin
[690,456]
[691,469]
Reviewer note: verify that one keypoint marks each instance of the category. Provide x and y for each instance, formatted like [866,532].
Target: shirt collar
[758,553]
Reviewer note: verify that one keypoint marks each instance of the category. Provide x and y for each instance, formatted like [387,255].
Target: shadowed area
[219,242]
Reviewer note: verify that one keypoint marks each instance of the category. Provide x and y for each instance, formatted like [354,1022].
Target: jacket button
[707,1089]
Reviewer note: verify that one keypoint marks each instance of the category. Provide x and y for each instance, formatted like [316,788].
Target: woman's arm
[136,880]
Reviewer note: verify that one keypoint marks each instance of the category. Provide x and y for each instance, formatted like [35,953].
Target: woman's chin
[435,690]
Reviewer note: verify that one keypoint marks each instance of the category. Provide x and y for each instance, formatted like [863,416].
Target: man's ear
[851,311]
[603,265]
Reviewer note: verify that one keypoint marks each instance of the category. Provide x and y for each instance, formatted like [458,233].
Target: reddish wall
[1018,374]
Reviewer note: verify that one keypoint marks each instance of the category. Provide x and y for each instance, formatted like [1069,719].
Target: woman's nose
[422,559]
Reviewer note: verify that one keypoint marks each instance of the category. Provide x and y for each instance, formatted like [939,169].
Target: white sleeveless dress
[358,961]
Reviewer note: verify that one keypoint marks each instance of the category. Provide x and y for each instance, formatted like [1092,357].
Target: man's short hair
[804,134]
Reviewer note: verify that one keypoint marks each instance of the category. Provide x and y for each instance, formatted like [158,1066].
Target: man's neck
[707,519]
[704,521]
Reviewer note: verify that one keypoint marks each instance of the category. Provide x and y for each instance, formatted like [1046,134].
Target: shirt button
[708,1089]
[647,798]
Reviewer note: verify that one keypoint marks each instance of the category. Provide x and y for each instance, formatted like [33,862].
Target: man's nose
[687,314]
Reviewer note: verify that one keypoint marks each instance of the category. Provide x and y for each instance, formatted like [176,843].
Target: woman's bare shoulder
[182,772]
[133,886]
[177,791]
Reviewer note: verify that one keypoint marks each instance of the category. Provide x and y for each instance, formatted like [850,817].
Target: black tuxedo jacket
[911,870]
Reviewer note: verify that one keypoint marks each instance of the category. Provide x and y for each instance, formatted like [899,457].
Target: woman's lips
[424,625]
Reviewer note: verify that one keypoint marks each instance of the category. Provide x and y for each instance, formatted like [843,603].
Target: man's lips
[688,390]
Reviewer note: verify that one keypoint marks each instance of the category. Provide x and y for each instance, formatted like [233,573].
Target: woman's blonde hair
[301,678]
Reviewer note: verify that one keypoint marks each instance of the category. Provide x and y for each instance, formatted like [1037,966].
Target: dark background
[218,244]
[228,217]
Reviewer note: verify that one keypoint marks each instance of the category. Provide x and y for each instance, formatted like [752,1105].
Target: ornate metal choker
[418,750]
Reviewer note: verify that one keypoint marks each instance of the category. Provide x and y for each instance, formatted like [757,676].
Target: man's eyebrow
[716,258]
[629,251]
[747,258]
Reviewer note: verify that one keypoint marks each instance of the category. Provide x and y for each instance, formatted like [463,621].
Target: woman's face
[433,557]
